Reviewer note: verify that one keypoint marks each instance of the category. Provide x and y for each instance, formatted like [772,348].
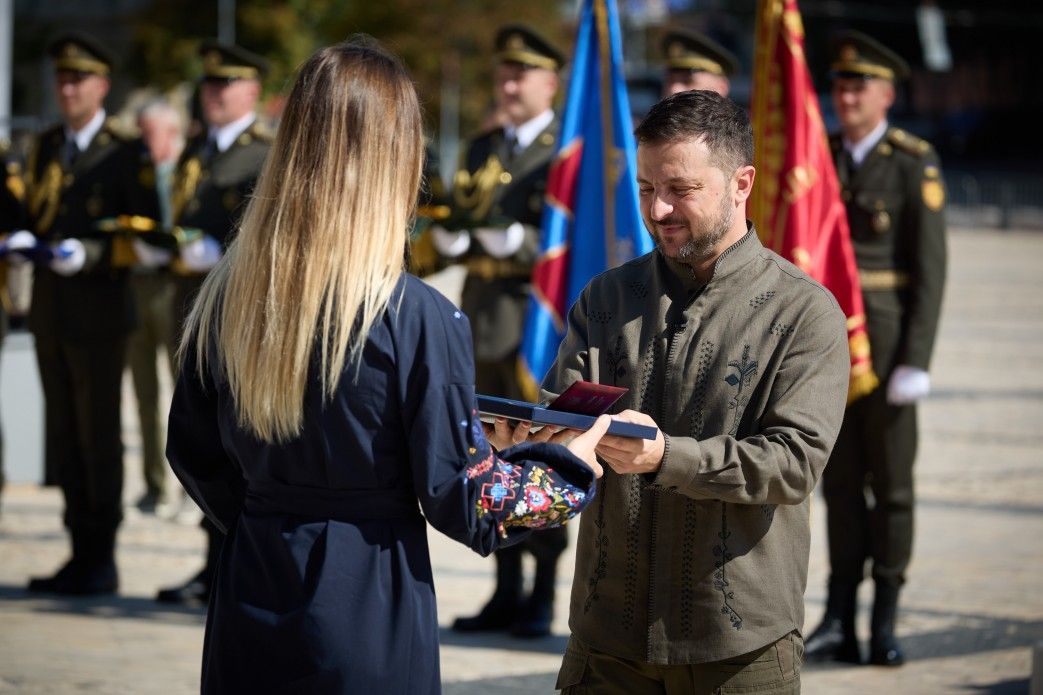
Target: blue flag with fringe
[591,219]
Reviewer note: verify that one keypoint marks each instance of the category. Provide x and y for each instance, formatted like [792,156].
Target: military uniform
[496,186]
[80,322]
[895,200]
[153,292]
[209,194]
[12,218]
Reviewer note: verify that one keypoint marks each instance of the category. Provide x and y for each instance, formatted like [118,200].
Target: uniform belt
[488,268]
[269,497]
[883,279]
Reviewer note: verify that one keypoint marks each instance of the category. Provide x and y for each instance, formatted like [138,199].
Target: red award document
[576,408]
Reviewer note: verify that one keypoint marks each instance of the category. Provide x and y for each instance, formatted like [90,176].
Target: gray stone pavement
[973,604]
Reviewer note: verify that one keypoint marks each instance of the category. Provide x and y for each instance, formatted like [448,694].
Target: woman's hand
[501,435]
[583,444]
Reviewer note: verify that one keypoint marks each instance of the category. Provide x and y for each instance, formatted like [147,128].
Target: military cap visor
[690,50]
[517,43]
[80,52]
[229,62]
[858,55]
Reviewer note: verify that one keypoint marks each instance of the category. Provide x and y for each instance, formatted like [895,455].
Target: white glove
[202,254]
[451,244]
[22,240]
[907,385]
[69,257]
[501,243]
[151,256]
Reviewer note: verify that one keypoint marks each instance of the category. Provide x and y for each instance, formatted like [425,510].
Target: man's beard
[703,245]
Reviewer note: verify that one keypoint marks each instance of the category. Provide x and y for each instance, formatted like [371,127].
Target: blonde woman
[324,392]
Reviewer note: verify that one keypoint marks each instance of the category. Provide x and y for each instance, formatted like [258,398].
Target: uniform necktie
[848,166]
[510,145]
[209,149]
[70,152]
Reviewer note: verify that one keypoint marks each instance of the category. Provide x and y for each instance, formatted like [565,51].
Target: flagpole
[607,142]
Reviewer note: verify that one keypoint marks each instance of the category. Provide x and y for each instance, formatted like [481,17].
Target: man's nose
[660,208]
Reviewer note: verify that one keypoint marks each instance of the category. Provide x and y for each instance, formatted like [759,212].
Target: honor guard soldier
[153,291]
[693,60]
[493,230]
[214,177]
[892,186]
[81,175]
[12,219]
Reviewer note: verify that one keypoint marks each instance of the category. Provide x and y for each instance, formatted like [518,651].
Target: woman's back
[326,399]
[325,533]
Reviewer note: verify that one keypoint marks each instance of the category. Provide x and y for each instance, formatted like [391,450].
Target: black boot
[536,615]
[498,614]
[883,647]
[834,639]
[534,619]
[90,572]
[502,610]
[194,592]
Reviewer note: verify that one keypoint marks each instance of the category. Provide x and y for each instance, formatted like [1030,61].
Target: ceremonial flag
[796,202]
[591,219]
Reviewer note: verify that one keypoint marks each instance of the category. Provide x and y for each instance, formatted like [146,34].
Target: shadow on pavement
[986,635]
[989,634]
[138,607]
[1011,687]
[504,685]
[554,644]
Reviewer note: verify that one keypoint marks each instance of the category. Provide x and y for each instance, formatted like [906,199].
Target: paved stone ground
[973,605]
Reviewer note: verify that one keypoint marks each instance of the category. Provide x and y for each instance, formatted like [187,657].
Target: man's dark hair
[721,123]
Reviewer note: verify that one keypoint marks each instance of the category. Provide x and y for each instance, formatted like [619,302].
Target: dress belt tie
[270,497]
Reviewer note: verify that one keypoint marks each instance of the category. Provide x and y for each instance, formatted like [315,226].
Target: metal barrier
[995,199]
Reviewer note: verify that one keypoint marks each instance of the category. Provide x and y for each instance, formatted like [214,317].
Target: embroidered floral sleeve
[518,487]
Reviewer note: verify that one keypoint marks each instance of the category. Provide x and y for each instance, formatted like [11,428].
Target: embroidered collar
[730,260]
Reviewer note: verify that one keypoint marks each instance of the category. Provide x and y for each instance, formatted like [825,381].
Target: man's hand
[202,254]
[907,385]
[631,455]
[69,257]
[150,256]
[450,244]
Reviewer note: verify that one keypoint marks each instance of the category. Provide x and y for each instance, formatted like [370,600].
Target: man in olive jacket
[692,562]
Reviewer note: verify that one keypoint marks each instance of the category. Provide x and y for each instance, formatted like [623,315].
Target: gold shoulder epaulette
[119,130]
[262,132]
[908,142]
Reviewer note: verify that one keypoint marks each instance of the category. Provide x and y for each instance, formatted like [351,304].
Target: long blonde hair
[320,247]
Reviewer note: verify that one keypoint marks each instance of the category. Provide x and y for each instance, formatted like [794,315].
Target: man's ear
[743,180]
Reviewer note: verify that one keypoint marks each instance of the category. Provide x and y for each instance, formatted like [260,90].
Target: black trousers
[874,454]
[500,378]
[81,388]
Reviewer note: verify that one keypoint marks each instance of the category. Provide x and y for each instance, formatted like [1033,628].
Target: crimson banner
[796,201]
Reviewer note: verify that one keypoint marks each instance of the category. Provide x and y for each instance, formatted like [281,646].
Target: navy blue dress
[324,584]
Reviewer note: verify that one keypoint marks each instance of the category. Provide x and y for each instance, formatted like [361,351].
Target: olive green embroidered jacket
[747,376]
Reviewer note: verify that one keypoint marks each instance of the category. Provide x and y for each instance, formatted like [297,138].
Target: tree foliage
[437,39]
